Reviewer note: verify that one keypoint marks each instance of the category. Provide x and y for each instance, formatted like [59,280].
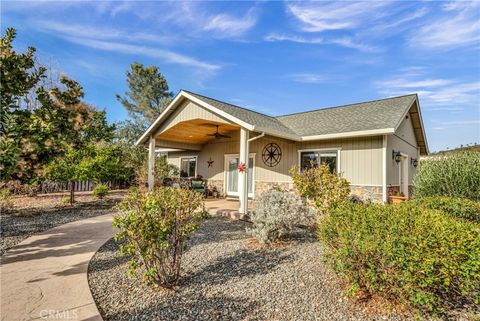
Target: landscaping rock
[228,276]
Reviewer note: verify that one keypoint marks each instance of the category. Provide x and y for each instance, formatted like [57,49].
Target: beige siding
[189,111]
[360,158]
[404,141]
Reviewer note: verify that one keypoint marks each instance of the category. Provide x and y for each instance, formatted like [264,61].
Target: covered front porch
[225,207]
[191,138]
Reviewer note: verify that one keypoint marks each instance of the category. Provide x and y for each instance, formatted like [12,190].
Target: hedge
[412,255]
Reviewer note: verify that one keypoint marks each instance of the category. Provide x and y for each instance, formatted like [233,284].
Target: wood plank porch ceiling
[196,131]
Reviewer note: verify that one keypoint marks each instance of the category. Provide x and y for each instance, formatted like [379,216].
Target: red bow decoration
[242,168]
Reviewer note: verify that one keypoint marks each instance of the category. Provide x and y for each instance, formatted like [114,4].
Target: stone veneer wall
[218,184]
[261,187]
[367,193]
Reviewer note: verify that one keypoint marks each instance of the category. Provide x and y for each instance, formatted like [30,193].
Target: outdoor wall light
[414,162]
[396,156]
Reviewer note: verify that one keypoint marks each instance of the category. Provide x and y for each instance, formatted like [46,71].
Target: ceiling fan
[217,135]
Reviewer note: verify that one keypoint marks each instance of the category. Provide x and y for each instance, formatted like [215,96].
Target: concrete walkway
[45,276]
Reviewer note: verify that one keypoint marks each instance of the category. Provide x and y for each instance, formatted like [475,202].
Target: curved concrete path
[45,276]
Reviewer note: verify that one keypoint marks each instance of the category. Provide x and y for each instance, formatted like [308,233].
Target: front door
[232,162]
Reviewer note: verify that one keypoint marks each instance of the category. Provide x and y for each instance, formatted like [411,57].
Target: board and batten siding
[189,111]
[404,141]
[360,158]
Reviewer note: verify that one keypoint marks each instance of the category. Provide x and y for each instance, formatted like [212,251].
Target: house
[375,145]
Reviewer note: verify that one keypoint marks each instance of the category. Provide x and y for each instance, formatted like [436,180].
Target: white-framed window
[331,157]
[188,166]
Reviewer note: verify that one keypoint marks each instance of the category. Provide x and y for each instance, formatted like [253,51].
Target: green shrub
[155,226]
[457,207]
[276,214]
[410,254]
[100,191]
[454,175]
[6,202]
[325,189]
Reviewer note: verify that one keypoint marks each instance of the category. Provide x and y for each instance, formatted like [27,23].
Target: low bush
[100,191]
[454,175]
[322,187]
[276,213]
[154,227]
[457,207]
[410,254]
[6,202]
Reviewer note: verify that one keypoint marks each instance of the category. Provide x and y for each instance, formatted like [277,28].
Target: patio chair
[199,185]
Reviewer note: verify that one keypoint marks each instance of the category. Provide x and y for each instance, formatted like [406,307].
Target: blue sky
[273,57]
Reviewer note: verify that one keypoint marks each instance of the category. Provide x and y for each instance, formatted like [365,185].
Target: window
[188,166]
[316,157]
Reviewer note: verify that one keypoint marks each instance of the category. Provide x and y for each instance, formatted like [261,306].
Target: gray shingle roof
[371,115]
[377,114]
[249,116]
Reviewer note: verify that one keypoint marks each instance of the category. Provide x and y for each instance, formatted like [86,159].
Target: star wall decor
[210,162]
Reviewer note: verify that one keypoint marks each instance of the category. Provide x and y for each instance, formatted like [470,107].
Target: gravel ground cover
[32,215]
[227,276]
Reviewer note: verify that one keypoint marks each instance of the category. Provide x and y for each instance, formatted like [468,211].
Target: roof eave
[183,94]
[360,133]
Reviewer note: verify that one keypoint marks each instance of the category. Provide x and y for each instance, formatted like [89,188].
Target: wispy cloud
[347,42]
[445,125]
[309,78]
[166,55]
[459,26]
[225,25]
[437,93]
[323,16]
[96,32]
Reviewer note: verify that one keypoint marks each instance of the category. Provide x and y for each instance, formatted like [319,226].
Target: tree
[18,75]
[99,163]
[148,93]
[38,130]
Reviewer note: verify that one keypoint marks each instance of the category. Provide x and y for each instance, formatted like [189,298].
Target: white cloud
[166,55]
[226,25]
[323,16]
[309,78]
[95,32]
[438,93]
[459,26]
[347,42]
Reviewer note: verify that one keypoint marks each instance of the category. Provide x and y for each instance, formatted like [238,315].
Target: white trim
[225,174]
[384,169]
[336,149]
[183,94]
[293,137]
[372,132]
[405,162]
[196,163]
[218,111]
[157,121]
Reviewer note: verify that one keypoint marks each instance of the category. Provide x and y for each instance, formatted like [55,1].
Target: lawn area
[31,215]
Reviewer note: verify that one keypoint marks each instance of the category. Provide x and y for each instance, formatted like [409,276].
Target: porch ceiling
[196,131]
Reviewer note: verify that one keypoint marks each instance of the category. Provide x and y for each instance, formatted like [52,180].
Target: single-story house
[375,145]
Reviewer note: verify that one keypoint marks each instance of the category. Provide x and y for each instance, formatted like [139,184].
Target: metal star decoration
[210,162]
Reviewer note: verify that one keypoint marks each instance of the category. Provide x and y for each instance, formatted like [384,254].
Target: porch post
[151,162]
[243,176]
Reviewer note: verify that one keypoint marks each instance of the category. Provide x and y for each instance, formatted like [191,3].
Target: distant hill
[475,148]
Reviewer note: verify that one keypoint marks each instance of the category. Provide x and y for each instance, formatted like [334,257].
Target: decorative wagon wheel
[271,154]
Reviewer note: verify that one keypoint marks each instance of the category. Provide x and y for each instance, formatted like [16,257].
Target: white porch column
[242,176]
[151,162]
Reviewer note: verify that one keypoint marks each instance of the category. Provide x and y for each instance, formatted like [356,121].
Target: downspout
[256,137]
